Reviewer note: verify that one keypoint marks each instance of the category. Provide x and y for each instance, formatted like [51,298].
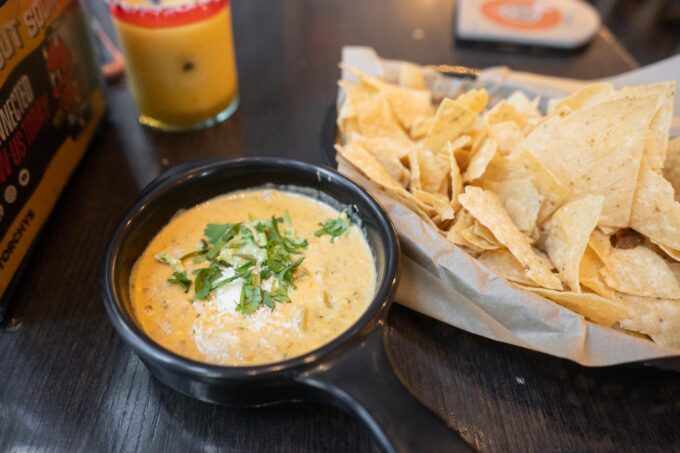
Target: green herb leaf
[171,261]
[179,275]
[214,231]
[275,226]
[276,263]
[280,294]
[294,245]
[219,241]
[181,279]
[196,254]
[334,227]
[267,299]
[247,235]
[244,271]
[203,283]
[250,300]
[286,274]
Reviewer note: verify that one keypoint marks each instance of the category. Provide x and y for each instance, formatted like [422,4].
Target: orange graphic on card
[521,14]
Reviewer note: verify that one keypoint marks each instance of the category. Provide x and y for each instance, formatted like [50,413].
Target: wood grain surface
[67,383]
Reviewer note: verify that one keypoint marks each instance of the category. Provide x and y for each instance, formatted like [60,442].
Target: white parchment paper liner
[441,281]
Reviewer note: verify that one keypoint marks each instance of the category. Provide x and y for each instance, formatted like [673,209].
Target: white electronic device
[547,23]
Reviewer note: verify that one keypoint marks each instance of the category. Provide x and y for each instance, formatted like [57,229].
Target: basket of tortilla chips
[553,228]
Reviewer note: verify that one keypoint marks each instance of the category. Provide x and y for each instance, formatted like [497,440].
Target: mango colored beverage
[180,60]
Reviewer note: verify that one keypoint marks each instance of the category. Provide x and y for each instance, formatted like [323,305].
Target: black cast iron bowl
[352,371]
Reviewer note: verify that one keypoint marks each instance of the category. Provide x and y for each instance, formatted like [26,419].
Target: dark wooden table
[68,383]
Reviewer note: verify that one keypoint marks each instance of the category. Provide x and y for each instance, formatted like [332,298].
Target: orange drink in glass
[180,60]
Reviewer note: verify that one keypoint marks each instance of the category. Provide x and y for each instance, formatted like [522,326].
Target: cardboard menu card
[51,103]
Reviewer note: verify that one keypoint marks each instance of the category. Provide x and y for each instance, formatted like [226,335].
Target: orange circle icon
[521,14]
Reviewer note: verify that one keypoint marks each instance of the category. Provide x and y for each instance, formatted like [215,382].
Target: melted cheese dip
[334,285]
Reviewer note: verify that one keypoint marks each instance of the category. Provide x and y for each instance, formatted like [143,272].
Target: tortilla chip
[414,166]
[439,204]
[508,135]
[411,76]
[655,213]
[470,234]
[671,170]
[657,139]
[523,105]
[376,119]
[386,154]
[590,276]
[364,161]
[450,121]
[593,307]
[474,100]
[484,233]
[481,237]
[641,272]
[464,152]
[568,232]
[488,210]
[526,165]
[480,160]
[423,211]
[374,82]
[354,94]
[387,145]
[410,106]
[607,231]
[601,244]
[671,252]
[421,127]
[585,97]
[502,263]
[432,171]
[503,112]
[456,183]
[478,242]
[597,151]
[459,142]
[675,268]
[658,318]
[520,198]
[455,235]
[460,146]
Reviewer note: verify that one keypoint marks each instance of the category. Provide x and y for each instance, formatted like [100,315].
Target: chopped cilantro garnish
[179,275]
[170,260]
[250,300]
[219,236]
[334,227]
[213,232]
[257,251]
[181,279]
[244,271]
[203,282]
[197,254]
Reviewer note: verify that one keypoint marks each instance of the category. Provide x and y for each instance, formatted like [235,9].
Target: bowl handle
[363,382]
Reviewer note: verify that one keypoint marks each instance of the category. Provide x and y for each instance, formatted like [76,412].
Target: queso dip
[253,277]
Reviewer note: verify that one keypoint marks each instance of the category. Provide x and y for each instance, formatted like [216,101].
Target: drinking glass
[180,62]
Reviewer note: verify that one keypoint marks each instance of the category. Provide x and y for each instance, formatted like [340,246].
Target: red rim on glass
[157,16]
